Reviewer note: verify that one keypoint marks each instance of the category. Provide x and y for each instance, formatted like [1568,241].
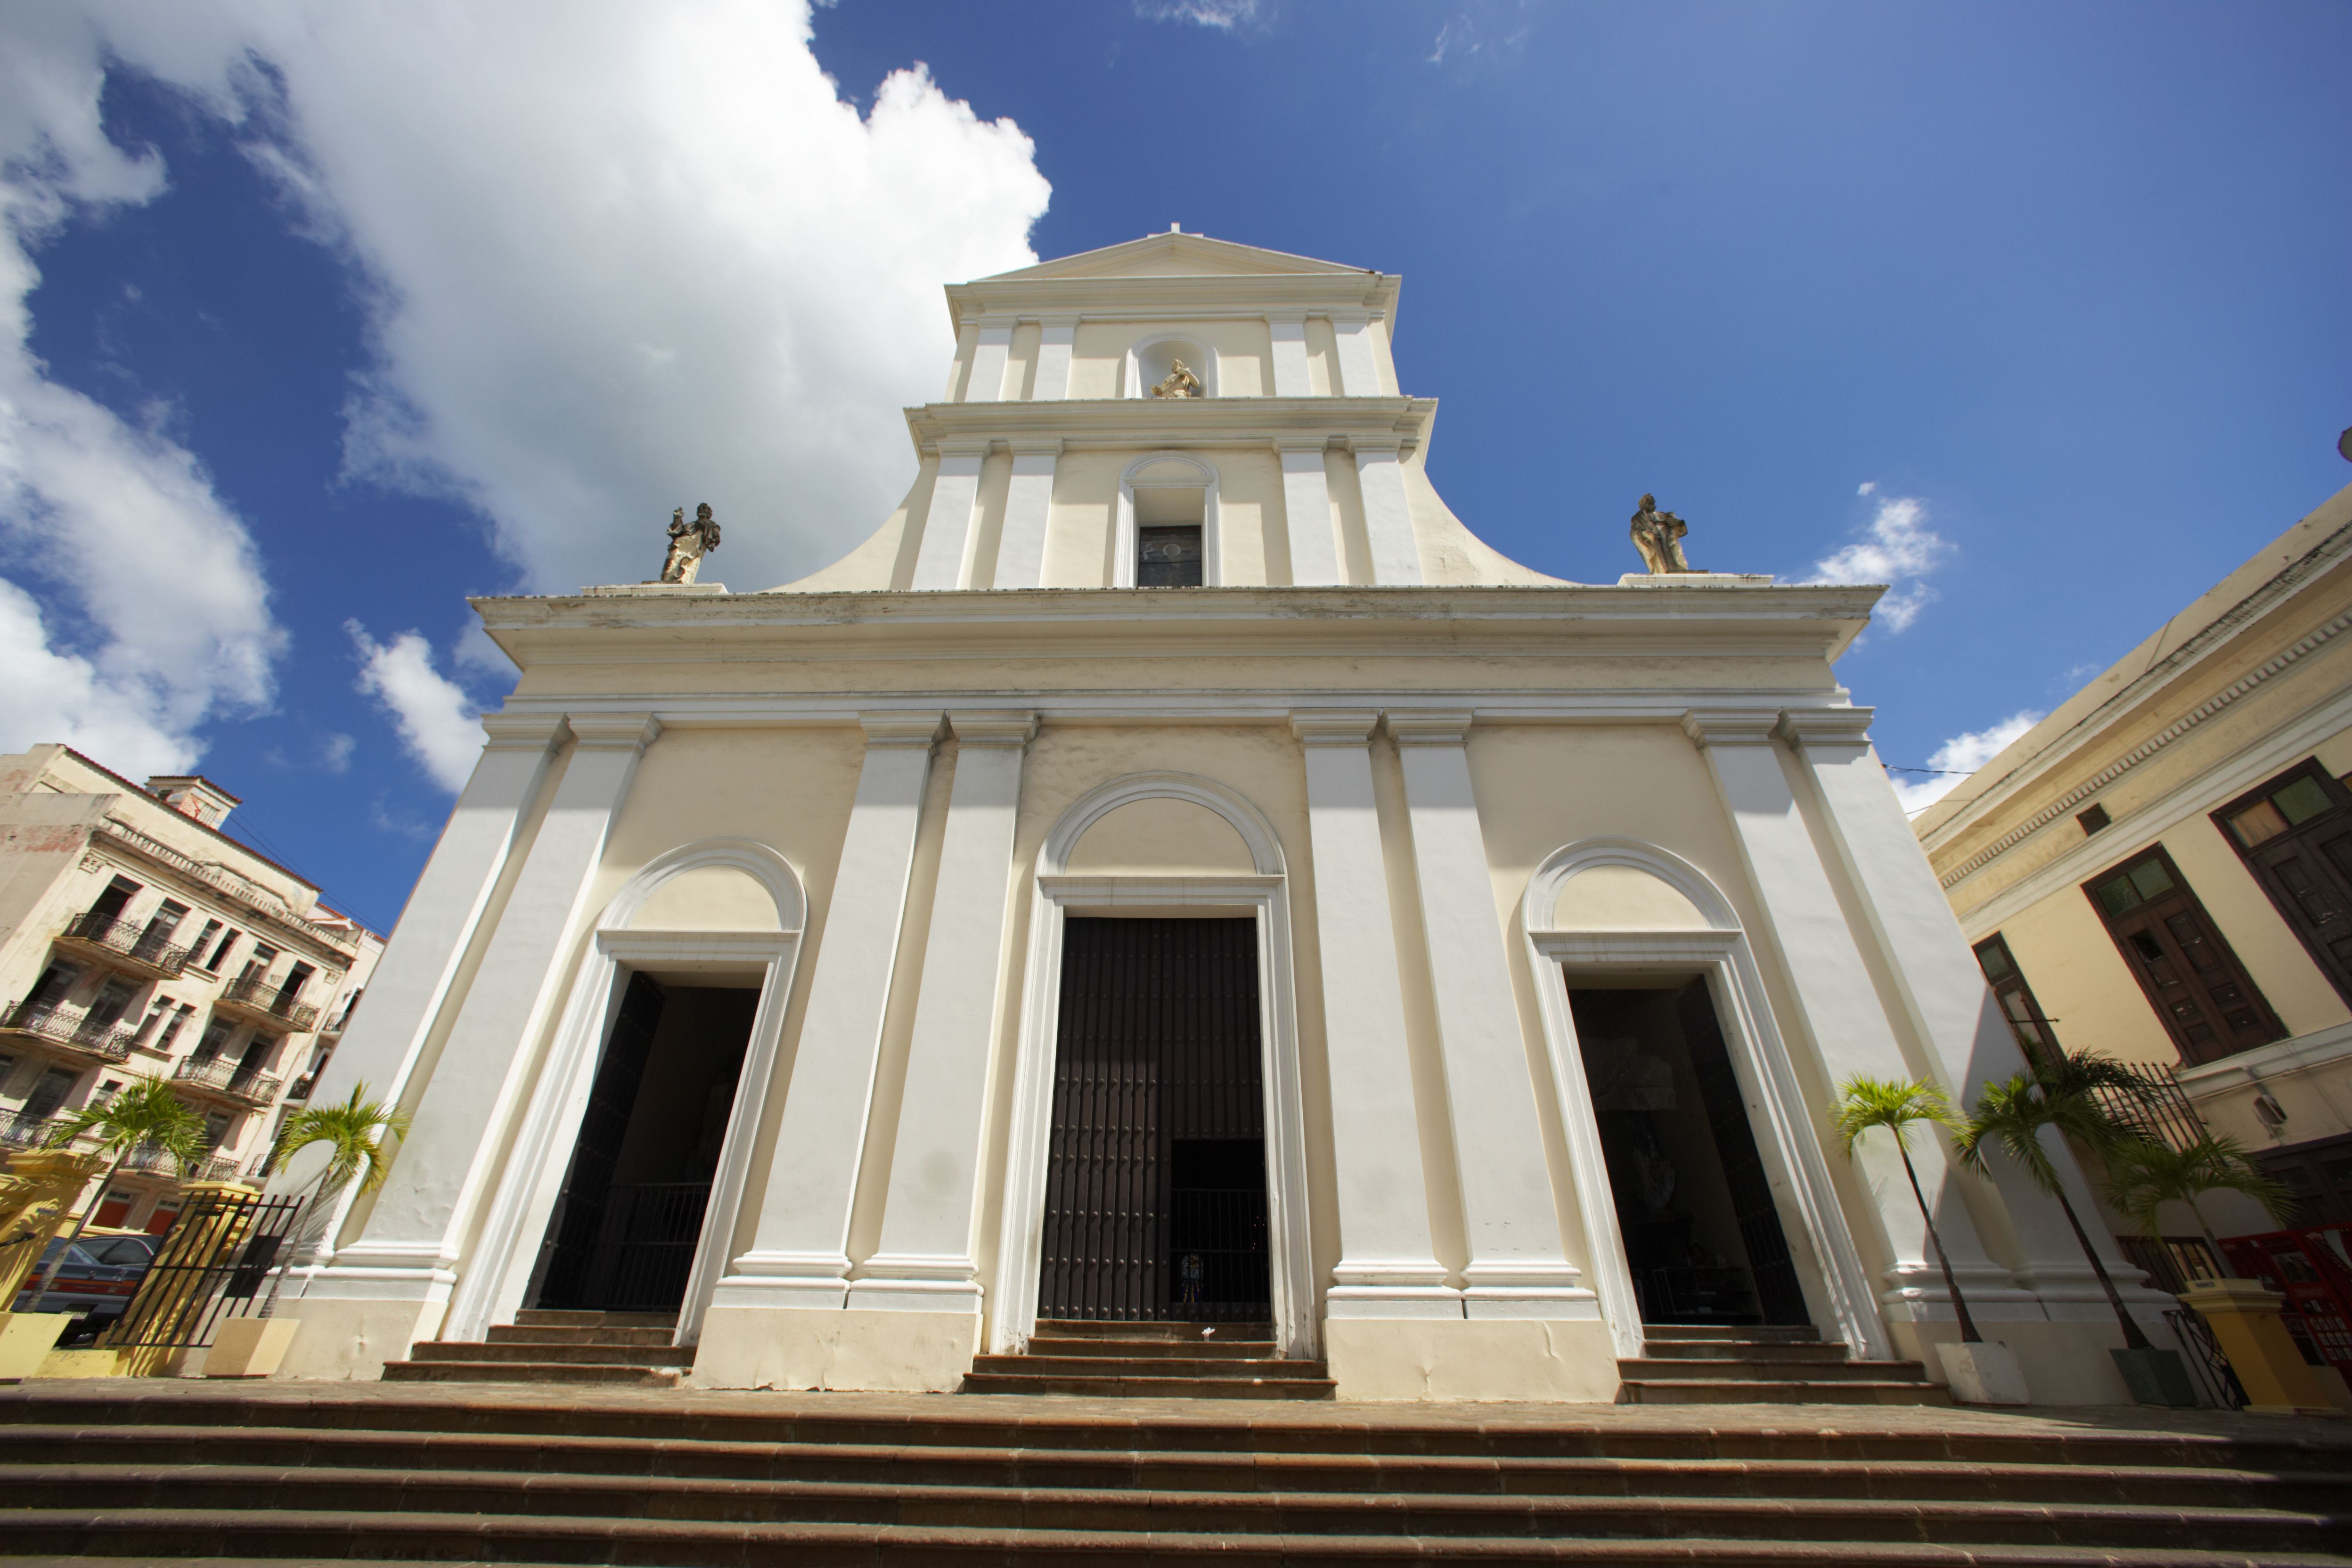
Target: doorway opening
[1694,1204]
[1156,1184]
[623,1234]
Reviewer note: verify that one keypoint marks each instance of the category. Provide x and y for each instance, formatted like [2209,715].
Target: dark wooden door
[570,1248]
[1778,1295]
[1155,1187]
[2296,834]
[2193,978]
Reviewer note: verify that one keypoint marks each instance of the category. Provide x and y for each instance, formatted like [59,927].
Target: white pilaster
[1837,1003]
[1943,992]
[1028,504]
[944,558]
[1306,512]
[446,1166]
[1388,516]
[1517,1268]
[1360,374]
[1386,1267]
[987,360]
[1056,335]
[799,1254]
[926,1261]
[1290,377]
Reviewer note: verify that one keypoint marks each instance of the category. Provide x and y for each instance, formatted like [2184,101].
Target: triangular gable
[1174,255]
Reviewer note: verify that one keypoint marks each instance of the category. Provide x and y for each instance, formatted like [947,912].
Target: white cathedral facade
[1173,868]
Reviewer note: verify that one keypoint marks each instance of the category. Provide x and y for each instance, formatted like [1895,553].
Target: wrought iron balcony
[225,1077]
[125,944]
[72,1032]
[254,997]
[150,1160]
[26,1132]
[218,1168]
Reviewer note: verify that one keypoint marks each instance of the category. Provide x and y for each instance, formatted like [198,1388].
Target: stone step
[578,1356]
[1690,1391]
[521,1334]
[278,1449]
[1146,1387]
[1219,1349]
[548,1318]
[571,1372]
[1800,1353]
[1760,1333]
[1087,1328]
[175,1534]
[1658,1369]
[1036,1365]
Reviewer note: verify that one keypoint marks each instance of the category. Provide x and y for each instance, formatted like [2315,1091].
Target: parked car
[101,1273]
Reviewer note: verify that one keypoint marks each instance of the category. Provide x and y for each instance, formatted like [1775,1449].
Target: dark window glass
[2094,820]
[2024,1013]
[1168,557]
[2192,979]
[2294,834]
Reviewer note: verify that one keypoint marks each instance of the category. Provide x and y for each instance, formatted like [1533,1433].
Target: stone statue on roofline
[1178,383]
[688,544]
[1658,535]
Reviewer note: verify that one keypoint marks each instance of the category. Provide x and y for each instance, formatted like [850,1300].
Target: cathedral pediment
[1175,255]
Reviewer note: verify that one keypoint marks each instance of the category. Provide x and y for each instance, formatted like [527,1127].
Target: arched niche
[1149,360]
[1162,835]
[1617,897]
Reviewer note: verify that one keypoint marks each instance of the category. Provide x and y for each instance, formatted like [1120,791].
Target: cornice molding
[1430,726]
[909,730]
[1238,296]
[1813,728]
[1175,422]
[1334,726]
[1010,729]
[613,732]
[1730,726]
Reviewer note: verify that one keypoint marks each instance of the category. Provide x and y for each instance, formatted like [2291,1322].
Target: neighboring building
[137,939]
[1174,869]
[2162,869]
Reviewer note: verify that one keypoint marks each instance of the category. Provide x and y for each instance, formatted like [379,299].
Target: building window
[172,1030]
[2295,836]
[1168,557]
[108,907]
[220,950]
[200,949]
[2197,987]
[2026,1019]
[2093,819]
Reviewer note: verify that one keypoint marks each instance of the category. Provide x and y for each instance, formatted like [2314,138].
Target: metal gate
[215,1263]
[1155,1186]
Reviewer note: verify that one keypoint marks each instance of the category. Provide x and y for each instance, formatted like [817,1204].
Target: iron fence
[2172,1262]
[2217,1383]
[108,1042]
[2155,1106]
[145,944]
[256,994]
[215,1265]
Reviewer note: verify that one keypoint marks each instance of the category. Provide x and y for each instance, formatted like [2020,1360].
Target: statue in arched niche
[1179,381]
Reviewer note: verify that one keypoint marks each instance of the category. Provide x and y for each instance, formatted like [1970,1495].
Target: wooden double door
[1155,1189]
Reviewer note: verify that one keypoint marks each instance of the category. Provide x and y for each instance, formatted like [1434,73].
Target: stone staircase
[1691,1365]
[1169,1360]
[627,1348]
[158,1471]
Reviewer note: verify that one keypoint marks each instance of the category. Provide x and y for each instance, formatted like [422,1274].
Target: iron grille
[644,1247]
[213,1265]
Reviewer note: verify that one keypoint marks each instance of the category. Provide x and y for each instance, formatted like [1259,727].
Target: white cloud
[643,257]
[1957,758]
[433,715]
[1897,548]
[1458,36]
[153,615]
[1866,488]
[1222,15]
[335,752]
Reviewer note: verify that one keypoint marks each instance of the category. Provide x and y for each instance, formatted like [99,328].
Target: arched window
[1167,524]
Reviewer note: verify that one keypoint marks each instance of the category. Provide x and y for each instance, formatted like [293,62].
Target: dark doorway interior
[1695,1206]
[623,1234]
[1155,1188]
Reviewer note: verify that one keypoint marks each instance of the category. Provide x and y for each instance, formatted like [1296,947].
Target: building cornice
[1177,422]
[1176,296]
[1563,620]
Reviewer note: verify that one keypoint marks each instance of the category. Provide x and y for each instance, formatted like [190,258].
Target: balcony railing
[56,1027]
[127,944]
[150,1159]
[218,1168]
[221,1076]
[244,889]
[26,1132]
[253,993]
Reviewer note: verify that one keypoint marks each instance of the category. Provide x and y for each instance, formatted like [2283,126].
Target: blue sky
[330,316]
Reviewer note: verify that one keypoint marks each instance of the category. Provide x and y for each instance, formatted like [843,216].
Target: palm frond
[1864,1103]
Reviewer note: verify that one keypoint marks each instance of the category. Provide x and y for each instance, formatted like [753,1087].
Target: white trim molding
[1720,953]
[1203,479]
[1264,895]
[533,1177]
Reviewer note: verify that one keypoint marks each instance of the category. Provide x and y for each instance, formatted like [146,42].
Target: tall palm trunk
[81,1223]
[1969,1335]
[307,1228]
[2133,1337]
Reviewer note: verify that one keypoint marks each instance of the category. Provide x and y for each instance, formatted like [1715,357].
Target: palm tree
[354,1132]
[2014,1115]
[2144,1176]
[1864,1103]
[147,1115]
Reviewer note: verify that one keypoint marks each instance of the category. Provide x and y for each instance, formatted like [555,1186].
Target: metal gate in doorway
[1155,1186]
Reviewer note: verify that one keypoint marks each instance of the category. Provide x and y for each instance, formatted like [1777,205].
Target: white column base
[1551,1359]
[773,1346]
[908,1283]
[785,1280]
